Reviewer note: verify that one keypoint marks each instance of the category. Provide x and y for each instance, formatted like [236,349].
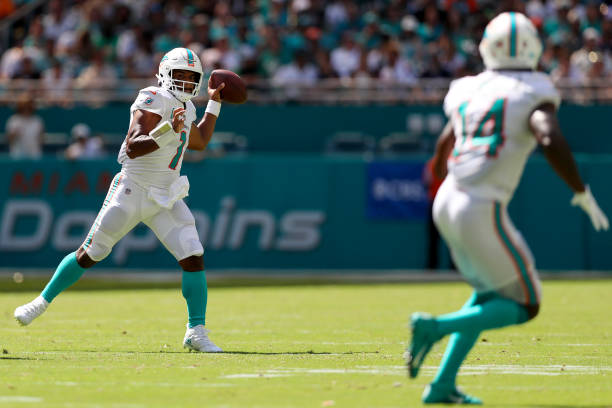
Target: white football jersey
[161,167]
[490,114]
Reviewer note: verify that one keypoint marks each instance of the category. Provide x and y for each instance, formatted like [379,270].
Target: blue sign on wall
[395,191]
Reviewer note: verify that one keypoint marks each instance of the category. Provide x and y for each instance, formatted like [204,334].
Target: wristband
[163,134]
[213,107]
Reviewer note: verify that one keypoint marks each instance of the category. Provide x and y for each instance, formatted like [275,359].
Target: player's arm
[444,145]
[200,135]
[546,129]
[138,142]
[145,134]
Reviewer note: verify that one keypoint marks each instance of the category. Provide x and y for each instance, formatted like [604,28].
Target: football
[235,90]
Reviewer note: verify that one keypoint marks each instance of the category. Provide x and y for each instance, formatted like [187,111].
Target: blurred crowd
[92,44]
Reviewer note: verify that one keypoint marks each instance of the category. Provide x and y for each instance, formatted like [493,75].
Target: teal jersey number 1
[494,136]
[179,151]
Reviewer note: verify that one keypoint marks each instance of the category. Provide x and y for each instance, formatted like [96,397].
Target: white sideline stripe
[167,384]
[135,383]
[271,275]
[554,369]
[267,375]
[541,370]
[96,405]
[19,398]
[582,344]
[545,370]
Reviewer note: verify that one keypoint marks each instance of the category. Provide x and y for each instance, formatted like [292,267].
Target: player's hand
[215,94]
[178,119]
[587,202]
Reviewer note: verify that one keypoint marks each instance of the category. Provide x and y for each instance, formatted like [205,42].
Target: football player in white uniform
[496,119]
[149,189]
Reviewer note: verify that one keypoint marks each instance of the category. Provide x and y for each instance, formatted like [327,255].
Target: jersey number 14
[489,131]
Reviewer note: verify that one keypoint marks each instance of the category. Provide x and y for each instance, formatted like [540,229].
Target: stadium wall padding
[281,211]
[306,128]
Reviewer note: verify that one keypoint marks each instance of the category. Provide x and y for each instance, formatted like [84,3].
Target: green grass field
[297,346]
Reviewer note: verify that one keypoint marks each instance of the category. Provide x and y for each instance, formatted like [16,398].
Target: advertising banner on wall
[286,212]
[261,212]
[395,191]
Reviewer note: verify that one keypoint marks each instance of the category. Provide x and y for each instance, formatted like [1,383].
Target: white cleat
[196,339]
[30,311]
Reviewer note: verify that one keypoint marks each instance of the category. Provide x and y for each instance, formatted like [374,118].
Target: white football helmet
[180,58]
[510,41]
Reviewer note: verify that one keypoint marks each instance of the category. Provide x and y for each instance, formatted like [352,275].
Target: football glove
[587,202]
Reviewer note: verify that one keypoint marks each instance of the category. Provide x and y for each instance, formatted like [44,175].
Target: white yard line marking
[138,384]
[96,405]
[538,370]
[582,344]
[267,374]
[19,398]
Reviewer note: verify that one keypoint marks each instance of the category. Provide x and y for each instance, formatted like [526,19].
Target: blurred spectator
[345,59]
[56,83]
[246,48]
[450,60]
[270,57]
[25,130]
[168,40]
[59,20]
[558,27]
[10,64]
[324,64]
[27,70]
[583,60]
[97,80]
[435,69]
[98,75]
[200,29]
[83,145]
[363,76]
[127,42]
[431,28]
[300,72]
[35,45]
[536,11]
[220,56]
[564,71]
[277,15]
[336,13]
[140,59]
[592,17]
[397,69]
